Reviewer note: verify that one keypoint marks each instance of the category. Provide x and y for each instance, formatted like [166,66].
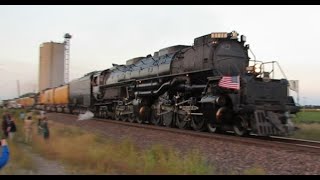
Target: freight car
[54,99]
[61,98]
[212,85]
[26,102]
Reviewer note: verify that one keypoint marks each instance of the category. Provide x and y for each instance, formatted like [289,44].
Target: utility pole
[67,38]
[18,87]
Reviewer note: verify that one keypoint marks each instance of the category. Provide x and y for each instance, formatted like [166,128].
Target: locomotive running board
[267,123]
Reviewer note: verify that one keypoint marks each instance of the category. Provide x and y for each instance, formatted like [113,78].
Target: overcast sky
[103,35]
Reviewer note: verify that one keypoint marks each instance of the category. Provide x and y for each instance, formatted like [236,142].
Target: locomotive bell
[234,35]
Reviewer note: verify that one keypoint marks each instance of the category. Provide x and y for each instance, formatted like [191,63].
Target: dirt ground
[42,166]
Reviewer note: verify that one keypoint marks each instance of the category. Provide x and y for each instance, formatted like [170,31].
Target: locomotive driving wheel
[131,118]
[240,126]
[212,128]
[198,123]
[183,120]
[117,116]
[168,119]
[139,120]
[124,117]
[156,119]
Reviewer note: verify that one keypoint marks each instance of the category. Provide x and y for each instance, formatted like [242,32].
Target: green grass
[89,153]
[308,131]
[307,117]
[308,122]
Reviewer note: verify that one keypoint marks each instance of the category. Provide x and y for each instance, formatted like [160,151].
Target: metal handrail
[262,64]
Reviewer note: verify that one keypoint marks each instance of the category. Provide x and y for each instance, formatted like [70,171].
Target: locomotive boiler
[207,86]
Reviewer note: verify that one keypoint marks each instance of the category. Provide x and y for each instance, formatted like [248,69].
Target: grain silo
[51,65]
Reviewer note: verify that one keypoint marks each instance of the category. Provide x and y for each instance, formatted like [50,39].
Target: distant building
[51,65]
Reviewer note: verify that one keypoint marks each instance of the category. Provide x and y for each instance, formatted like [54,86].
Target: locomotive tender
[207,86]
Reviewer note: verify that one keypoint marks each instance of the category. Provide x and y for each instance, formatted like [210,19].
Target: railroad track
[294,142]
[289,144]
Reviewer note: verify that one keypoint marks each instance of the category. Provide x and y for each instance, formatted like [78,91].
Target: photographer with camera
[8,125]
[5,153]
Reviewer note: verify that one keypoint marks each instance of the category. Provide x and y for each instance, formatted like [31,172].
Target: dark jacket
[8,122]
[5,122]
[4,157]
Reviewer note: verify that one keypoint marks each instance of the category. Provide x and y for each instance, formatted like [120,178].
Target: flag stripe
[231,82]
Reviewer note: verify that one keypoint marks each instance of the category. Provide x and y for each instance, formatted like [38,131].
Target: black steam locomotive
[207,86]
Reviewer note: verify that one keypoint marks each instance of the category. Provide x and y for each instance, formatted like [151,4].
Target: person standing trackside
[5,120]
[40,116]
[28,129]
[45,128]
[8,125]
[12,129]
[5,153]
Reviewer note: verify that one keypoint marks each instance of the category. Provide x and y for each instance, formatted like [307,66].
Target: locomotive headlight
[219,35]
[257,70]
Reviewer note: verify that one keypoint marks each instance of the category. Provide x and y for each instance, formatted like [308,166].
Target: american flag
[232,82]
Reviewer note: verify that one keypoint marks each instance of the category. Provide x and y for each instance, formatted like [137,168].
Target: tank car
[46,99]
[61,98]
[80,93]
[27,100]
